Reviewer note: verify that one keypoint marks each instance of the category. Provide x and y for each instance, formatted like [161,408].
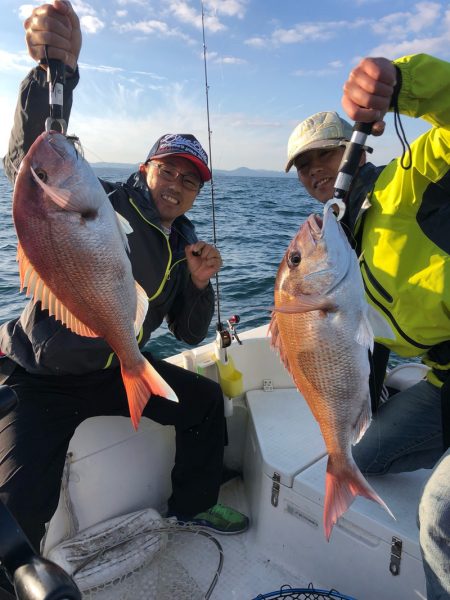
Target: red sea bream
[72,258]
[321,327]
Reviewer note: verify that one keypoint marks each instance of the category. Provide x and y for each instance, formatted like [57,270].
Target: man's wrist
[200,284]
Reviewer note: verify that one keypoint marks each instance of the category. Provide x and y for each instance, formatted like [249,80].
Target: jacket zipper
[379,288]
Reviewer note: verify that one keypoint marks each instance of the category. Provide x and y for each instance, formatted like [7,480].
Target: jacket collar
[182,225]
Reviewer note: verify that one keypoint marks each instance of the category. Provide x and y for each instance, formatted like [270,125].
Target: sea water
[255,219]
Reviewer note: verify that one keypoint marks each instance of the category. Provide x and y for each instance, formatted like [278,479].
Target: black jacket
[37,341]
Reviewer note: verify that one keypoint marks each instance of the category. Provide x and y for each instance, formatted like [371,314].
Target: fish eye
[41,174]
[294,259]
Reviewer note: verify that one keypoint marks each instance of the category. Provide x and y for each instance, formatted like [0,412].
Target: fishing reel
[232,322]
[224,337]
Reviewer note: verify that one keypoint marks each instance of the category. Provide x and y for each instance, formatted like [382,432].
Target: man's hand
[57,26]
[368,92]
[203,262]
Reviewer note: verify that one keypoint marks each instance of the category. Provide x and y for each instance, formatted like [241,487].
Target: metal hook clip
[56,80]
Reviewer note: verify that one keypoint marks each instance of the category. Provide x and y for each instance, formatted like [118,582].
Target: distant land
[239,172]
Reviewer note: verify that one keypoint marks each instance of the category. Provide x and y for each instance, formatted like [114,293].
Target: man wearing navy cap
[61,378]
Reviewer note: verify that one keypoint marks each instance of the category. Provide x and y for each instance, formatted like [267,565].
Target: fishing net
[310,593]
[165,561]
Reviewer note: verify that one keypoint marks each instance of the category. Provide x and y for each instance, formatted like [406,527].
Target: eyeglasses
[189,181]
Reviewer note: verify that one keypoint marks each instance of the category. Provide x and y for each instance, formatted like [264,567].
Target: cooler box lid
[288,436]
[367,519]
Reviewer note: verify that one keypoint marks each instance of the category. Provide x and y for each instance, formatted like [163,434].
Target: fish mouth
[58,143]
[315,224]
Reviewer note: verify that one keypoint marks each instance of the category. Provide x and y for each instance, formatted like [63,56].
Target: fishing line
[219,321]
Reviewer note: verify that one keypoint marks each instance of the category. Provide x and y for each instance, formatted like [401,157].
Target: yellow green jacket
[405,231]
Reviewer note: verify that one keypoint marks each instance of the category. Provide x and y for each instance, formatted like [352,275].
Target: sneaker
[220,519]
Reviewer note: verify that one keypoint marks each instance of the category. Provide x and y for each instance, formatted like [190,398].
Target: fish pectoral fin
[276,341]
[364,332]
[141,307]
[124,230]
[124,224]
[380,326]
[34,286]
[306,303]
[62,197]
[363,421]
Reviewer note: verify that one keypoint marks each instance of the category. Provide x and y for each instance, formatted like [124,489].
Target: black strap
[445,406]
[378,365]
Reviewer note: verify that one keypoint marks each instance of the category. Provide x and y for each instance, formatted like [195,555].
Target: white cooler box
[284,474]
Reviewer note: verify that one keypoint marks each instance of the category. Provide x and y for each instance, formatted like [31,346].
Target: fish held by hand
[322,330]
[72,258]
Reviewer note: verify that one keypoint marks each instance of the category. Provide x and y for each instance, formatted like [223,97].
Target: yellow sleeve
[425,89]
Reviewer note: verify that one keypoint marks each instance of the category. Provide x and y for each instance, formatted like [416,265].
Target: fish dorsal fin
[277,342]
[141,307]
[364,332]
[62,197]
[38,290]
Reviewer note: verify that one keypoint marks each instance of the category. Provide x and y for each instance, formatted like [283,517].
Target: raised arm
[420,83]
[57,27]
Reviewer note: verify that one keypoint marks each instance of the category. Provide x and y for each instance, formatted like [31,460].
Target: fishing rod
[56,75]
[223,336]
[350,159]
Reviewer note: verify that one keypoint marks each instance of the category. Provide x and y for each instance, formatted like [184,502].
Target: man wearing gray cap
[397,218]
[316,147]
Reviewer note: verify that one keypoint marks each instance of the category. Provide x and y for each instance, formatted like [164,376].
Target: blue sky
[270,65]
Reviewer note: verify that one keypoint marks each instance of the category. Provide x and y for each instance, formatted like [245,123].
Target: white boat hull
[277,445]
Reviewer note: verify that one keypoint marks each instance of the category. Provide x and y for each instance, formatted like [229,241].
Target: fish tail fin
[140,383]
[342,485]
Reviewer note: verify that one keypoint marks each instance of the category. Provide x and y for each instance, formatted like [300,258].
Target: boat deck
[272,435]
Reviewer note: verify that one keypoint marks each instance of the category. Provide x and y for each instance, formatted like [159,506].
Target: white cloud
[256,42]
[185,13]
[331,69]
[15,62]
[229,8]
[91,24]
[215,57]
[100,68]
[303,32]
[83,8]
[401,32]
[435,46]
[25,11]
[399,25]
[121,13]
[151,27]
[232,60]
[129,2]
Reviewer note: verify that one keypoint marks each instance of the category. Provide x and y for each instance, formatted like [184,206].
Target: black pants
[34,437]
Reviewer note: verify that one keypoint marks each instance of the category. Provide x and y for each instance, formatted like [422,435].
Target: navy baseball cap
[185,145]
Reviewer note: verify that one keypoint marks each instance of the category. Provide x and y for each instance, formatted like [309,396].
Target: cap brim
[312,146]
[205,173]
